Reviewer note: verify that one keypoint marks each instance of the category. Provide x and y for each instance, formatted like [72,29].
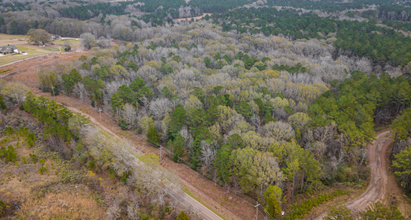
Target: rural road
[201,210]
[378,183]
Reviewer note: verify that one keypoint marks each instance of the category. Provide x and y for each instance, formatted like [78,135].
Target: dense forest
[352,38]
[362,39]
[269,102]
[88,11]
[253,113]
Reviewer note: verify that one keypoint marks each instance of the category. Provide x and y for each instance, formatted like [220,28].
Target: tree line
[363,39]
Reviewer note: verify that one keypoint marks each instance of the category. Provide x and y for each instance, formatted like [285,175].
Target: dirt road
[230,206]
[377,187]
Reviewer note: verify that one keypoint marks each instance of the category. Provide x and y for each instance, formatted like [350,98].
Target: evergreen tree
[137,84]
[273,206]
[152,135]
[116,102]
[178,119]
[183,216]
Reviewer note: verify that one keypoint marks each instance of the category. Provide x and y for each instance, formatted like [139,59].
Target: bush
[152,135]
[68,48]
[91,165]
[42,170]
[124,125]
[183,216]
[112,174]
[33,158]
[8,130]
[123,179]
[300,210]
[9,154]
[3,207]
[176,158]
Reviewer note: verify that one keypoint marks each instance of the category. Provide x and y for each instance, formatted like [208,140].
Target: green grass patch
[62,41]
[10,36]
[5,71]
[50,49]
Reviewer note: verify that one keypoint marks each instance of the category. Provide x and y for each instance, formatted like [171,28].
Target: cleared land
[380,180]
[20,41]
[195,18]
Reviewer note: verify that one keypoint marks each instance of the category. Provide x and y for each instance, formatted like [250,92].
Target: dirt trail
[228,205]
[377,187]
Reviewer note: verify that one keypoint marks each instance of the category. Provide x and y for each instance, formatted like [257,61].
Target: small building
[55,37]
[9,49]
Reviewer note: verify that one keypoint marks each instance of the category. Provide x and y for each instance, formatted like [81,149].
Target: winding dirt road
[378,183]
[25,72]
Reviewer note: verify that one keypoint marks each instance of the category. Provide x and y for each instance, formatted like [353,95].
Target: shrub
[3,207]
[123,179]
[9,154]
[42,170]
[152,135]
[300,210]
[183,216]
[124,125]
[8,130]
[91,165]
[33,158]
[112,174]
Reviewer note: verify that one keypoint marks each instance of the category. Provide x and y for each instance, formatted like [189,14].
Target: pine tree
[178,119]
[183,216]
[273,206]
[137,84]
[116,102]
[152,135]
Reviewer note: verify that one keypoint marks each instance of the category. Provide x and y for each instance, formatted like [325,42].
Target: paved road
[378,183]
[203,211]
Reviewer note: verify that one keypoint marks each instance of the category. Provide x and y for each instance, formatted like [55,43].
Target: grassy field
[62,41]
[10,37]
[21,43]
[34,51]
[75,44]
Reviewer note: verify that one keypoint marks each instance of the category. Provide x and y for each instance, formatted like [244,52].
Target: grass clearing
[34,51]
[20,41]
[51,48]
[62,41]
[194,197]
[10,37]
[75,44]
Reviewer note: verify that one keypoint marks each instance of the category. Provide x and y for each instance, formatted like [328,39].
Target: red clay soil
[377,187]
[229,206]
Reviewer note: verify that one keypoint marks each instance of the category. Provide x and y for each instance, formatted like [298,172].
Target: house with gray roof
[9,49]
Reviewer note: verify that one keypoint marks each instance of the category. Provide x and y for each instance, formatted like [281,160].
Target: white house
[9,49]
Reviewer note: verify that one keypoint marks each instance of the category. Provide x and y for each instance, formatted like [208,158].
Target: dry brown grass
[61,206]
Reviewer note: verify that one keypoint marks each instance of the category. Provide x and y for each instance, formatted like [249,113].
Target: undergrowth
[304,208]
